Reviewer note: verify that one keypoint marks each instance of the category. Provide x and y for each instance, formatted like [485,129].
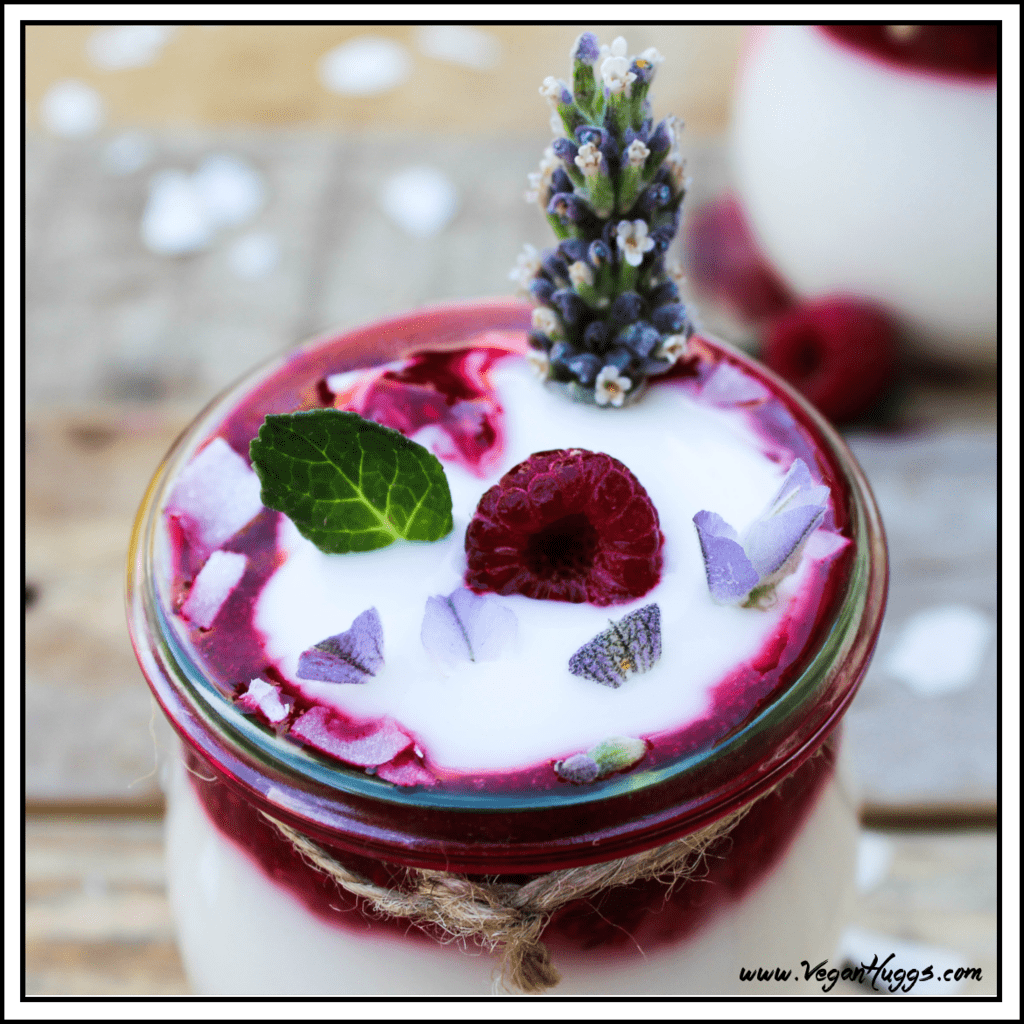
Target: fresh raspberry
[838,352]
[566,525]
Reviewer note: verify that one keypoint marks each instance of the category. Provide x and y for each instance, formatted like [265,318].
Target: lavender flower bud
[605,142]
[669,319]
[565,149]
[644,71]
[555,91]
[561,182]
[554,266]
[661,140]
[573,250]
[663,239]
[625,309]
[640,338]
[560,353]
[620,357]
[571,306]
[598,253]
[567,208]
[653,198]
[595,337]
[585,367]
[665,292]
[586,49]
[541,289]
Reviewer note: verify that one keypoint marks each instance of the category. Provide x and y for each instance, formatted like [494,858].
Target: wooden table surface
[124,346]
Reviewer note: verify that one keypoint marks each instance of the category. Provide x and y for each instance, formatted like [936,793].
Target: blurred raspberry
[725,262]
[567,525]
[839,352]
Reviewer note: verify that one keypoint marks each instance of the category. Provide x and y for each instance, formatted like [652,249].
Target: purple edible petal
[628,647]
[333,736]
[728,385]
[797,509]
[349,657]
[730,575]
[578,768]
[771,542]
[467,627]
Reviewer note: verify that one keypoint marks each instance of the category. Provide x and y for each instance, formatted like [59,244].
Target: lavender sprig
[608,313]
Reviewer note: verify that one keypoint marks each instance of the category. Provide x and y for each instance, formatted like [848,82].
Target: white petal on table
[365,66]
[254,255]
[460,44]
[174,221]
[874,858]
[941,649]
[72,109]
[121,47]
[230,190]
[128,152]
[420,200]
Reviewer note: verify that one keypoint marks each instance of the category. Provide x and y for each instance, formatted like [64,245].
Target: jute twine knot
[510,919]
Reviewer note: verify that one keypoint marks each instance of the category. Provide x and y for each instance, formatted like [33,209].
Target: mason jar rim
[490,832]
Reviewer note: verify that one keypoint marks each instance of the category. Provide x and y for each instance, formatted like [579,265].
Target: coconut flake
[212,587]
[320,729]
[216,494]
[408,772]
[265,698]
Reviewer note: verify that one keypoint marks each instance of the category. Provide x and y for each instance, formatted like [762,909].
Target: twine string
[510,919]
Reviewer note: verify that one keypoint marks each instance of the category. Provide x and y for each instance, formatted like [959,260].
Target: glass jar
[255,918]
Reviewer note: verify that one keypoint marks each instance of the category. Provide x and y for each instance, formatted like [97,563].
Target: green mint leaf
[349,484]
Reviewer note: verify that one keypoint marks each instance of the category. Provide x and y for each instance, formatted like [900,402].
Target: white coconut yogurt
[526,706]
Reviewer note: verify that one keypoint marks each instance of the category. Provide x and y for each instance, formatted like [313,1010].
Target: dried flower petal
[628,647]
[467,627]
[730,575]
[349,657]
[772,544]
